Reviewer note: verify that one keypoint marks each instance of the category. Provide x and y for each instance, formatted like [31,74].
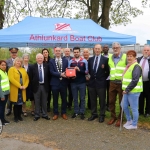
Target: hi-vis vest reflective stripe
[117,71]
[4,81]
[127,78]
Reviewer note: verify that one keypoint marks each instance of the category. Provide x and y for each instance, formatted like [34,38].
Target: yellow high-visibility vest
[4,81]
[127,78]
[116,71]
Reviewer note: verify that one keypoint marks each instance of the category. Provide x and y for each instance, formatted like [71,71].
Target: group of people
[104,75]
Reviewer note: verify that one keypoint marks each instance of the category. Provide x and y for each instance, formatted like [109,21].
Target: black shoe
[74,115]
[47,118]
[82,116]
[5,122]
[92,117]
[16,120]
[101,119]
[36,118]
[8,113]
[20,118]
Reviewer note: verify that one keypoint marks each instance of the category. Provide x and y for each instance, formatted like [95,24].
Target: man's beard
[77,56]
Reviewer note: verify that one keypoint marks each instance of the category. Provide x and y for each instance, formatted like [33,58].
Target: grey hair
[146,46]
[25,55]
[39,54]
[86,49]
[116,43]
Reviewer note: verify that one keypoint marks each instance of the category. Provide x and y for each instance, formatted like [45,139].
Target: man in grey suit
[13,55]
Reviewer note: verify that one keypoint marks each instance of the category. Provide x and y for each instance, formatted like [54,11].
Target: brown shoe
[55,117]
[64,116]
[118,123]
[111,121]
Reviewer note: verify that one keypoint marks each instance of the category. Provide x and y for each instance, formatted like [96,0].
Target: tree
[1,13]
[103,12]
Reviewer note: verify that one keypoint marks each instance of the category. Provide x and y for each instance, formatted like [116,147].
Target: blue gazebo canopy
[62,32]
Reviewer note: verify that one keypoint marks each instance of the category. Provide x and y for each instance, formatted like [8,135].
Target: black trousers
[63,93]
[17,111]
[145,97]
[89,101]
[101,93]
[70,97]
[107,95]
[49,99]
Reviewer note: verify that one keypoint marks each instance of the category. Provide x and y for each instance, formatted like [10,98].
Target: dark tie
[40,74]
[95,65]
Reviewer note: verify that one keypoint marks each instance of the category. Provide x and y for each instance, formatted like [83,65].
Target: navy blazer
[98,81]
[70,57]
[34,77]
[55,75]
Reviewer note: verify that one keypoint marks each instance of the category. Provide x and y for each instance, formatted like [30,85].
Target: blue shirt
[116,59]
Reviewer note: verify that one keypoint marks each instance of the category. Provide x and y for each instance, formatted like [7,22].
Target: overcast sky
[140,26]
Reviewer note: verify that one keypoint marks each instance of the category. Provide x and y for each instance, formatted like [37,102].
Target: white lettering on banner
[73,38]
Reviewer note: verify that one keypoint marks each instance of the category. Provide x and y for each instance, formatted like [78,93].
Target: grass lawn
[143,122]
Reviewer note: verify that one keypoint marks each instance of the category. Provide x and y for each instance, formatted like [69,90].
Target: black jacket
[34,77]
[98,81]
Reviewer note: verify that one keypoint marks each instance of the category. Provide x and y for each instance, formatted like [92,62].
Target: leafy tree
[104,12]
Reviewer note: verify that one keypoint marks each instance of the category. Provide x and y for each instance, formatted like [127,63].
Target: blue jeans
[132,100]
[81,88]
[2,107]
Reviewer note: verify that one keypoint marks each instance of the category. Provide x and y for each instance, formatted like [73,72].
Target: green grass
[143,122]
[4,54]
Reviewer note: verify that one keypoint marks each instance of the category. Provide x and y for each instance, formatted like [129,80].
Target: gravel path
[12,144]
[76,134]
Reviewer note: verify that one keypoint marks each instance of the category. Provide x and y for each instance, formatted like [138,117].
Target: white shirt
[145,69]
[98,61]
[42,72]
[25,67]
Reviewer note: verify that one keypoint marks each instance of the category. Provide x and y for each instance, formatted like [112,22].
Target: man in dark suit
[13,55]
[99,71]
[70,97]
[144,99]
[39,78]
[59,83]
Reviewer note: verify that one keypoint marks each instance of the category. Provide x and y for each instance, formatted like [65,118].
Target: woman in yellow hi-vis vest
[131,86]
[4,91]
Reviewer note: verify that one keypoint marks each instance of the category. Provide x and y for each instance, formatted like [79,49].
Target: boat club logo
[63,27]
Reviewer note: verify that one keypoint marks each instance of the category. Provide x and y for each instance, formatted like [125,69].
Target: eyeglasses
[116,48]
[14,52]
